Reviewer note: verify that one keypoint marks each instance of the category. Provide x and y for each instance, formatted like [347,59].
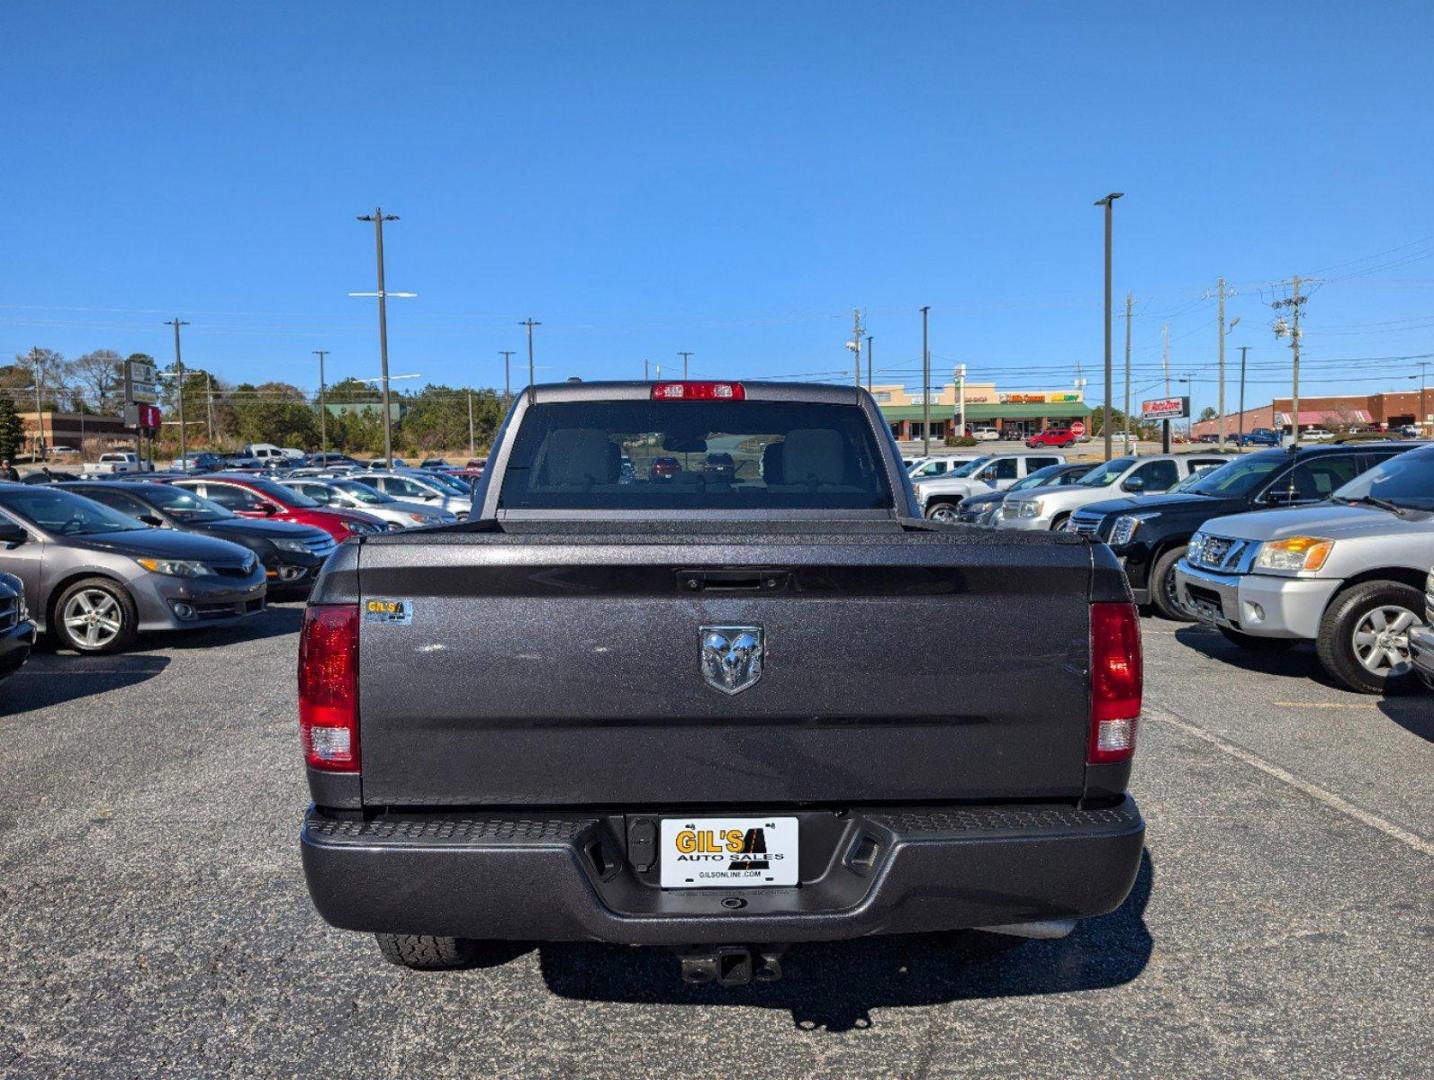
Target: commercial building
[52,429]
[1023,412]
[1338,412]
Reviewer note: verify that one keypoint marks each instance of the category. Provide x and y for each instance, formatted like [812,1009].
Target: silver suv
[1348,574]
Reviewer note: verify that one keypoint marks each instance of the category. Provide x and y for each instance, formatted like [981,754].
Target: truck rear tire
[1364,635]
[1162,587]
[424,953]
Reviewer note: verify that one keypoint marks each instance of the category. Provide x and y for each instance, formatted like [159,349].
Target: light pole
[530,323]
[686,356]
[868,363]
[323,407]
[378,217]
[177,322]
[1109,203]
[925,385]
[507,355]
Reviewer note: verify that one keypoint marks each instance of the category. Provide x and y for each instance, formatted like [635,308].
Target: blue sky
[729,179]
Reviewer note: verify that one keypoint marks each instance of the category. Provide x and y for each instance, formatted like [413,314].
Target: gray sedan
[96,577]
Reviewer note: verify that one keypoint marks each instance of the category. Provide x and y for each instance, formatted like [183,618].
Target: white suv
[1051,508]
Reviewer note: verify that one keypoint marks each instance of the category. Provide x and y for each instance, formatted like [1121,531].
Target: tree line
[223,415]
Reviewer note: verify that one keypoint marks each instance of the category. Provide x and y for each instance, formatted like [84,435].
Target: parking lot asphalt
[153,918]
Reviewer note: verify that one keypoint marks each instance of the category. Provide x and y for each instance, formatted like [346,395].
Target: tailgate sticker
[387,610]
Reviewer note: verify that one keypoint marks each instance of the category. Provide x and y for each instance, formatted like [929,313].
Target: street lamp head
[1109,198]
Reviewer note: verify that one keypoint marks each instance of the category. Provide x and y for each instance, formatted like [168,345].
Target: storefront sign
[1176,408]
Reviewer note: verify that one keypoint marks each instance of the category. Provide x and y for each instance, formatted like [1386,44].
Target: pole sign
[1077,428]
[1176,408]
[141,382]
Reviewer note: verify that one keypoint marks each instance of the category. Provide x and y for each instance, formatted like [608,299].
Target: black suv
[1149,534]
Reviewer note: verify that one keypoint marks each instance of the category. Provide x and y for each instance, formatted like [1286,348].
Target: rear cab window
[695,455]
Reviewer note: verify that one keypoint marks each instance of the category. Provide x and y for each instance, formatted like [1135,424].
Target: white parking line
[1329,798]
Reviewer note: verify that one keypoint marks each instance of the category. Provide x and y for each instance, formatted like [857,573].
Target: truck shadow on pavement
[835,985]
[1413,712]
[1298,662]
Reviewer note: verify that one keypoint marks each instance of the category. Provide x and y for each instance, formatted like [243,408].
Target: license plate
[707,853]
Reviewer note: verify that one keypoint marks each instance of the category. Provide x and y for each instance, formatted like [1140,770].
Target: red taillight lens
[328,687]
[698,391]
[1115,681]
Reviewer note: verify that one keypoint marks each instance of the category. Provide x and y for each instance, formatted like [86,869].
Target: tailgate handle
[733,580]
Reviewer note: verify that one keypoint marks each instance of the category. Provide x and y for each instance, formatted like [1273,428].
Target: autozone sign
[1175,408]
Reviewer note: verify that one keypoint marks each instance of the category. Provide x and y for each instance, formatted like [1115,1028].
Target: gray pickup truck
[651,694]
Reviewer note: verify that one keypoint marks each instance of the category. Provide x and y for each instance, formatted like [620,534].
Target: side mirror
[1135,485]
[152,521]
[10,533]
[1279,497]
[268,509]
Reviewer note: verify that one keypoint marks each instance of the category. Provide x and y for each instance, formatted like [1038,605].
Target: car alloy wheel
[944,512]
[93,617]
[1381,640]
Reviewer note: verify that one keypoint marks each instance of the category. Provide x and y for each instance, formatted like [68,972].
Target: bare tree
[98,378]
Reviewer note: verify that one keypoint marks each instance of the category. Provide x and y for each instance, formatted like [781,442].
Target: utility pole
[646,375]
[685,357]
[1423,389]
[1220,398]
[507,355]
[209,392]
[471,447]
[378,217]
[1295,305]
[1109,203]
[925,384]
[323,405]
[1240,439]
[529,323]
[855,344]
[960,374]
[868,363]
[1129,311]
[1165,363]
[177,322]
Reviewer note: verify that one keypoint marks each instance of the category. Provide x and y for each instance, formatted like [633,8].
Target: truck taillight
[1115,681]
[698,391]
[328,687]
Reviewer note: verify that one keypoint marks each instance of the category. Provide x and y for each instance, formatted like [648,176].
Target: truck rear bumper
[566,877]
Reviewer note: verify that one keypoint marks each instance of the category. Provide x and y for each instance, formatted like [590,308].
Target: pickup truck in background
[118,462]
[668,712]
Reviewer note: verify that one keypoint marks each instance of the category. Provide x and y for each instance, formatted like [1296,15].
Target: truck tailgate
[561,668]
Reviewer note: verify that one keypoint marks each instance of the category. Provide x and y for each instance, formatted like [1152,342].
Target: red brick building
[1382,411]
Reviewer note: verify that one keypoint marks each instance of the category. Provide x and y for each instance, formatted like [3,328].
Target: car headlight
[359,528]
[421,519]
[1195,550]
[177,567]
[1294,554]
[285,543]
[1028,508]
[1126,526]
[22,610]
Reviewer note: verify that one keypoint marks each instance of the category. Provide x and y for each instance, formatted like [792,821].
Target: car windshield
[280,494]
[970,467]
[786,456]
[1238,477]
[1406,481]
[1051,474]
[1106,474]
[64,513]
[361,492]
[183,504]
[446,484]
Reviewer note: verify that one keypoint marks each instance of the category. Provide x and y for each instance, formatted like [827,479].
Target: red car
[1055,436]
[258,497]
